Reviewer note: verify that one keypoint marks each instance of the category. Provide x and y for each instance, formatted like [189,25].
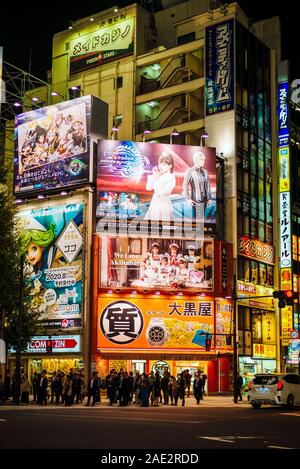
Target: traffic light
[208,344]
[49,346]
[285,297]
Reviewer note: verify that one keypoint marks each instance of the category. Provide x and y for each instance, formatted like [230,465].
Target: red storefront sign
[256,250]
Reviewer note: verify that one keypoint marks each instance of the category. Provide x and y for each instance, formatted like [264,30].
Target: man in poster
[196,185]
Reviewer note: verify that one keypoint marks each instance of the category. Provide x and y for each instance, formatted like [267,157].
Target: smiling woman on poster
[162,181]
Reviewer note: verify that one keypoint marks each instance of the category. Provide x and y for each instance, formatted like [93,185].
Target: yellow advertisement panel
[264,351]
[149,323]
[286,322]
[246,290]
[286,280]
[284,169]
[224,323]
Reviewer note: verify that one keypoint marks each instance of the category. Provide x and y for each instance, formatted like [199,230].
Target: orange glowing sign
[154,323]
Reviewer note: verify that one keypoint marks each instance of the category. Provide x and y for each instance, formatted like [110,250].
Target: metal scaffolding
[16,85]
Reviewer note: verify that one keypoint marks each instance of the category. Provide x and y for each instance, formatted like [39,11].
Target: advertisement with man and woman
[171,184]
[145,263]
[51,242]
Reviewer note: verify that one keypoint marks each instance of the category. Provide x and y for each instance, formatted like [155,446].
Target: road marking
[2,420]
[225,439]
[290,413]
[279,447]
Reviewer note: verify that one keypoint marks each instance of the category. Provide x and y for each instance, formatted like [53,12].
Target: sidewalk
[208,401]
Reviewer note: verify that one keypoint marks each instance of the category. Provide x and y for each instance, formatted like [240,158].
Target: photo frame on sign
[135,246]
[208,250]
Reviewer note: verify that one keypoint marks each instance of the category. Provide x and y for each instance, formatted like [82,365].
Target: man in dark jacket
[196,185]
[42,391]
[93,388]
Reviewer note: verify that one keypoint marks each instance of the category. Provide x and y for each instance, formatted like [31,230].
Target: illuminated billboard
[53,144]
[106,44]
[142,185]
[51,240]
[154,323]
[219,67]
[146,263]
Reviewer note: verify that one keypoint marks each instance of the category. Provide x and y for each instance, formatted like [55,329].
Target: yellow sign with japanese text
[264,351]
[150,323]
[247,292]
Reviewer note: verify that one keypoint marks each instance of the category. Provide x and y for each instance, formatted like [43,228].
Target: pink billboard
[170,185]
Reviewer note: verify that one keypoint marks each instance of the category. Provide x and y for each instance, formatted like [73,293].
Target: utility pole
[235,344]
[19,332]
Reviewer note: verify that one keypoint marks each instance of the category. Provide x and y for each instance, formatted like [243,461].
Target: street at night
[216,424]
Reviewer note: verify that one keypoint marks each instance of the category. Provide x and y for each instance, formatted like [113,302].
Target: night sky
[31,25]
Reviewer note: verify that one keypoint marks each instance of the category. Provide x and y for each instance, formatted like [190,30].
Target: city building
[189,75]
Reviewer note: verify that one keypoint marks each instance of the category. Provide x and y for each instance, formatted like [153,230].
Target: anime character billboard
[157,183]
[51,240]
[53,144]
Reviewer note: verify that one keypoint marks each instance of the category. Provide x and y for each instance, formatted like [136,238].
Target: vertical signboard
[219,66]
[282,102]
[285,220]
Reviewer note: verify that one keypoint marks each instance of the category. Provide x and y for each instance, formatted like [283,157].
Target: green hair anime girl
[33,240]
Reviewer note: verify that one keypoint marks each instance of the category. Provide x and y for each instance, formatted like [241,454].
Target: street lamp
[174,133]
[114,131]
[204,135]
[146,132]
[76,88]
[19,330]
[235,344]
[55,93]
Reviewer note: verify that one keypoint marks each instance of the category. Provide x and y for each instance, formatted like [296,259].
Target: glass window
[256,326]
[261,232]
[262,274]
[253,228]
[261,199]
[270,275]
[254,272]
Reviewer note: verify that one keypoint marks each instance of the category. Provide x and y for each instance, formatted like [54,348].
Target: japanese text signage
[102,46]
[247,290]
[51,239]
[285,230]
[282,110]
[154,323]
[264,351]
[256,250]
[284,169]
[219,63]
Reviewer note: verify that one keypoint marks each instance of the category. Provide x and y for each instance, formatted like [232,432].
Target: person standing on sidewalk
[25,388]
[197,385]
[35,385]
[181,383]
[42,392]
[240,383]
[93,389]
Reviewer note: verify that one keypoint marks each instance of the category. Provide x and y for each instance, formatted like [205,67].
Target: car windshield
[264,379]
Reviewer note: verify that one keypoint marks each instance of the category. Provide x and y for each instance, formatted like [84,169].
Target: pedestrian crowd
[122,388]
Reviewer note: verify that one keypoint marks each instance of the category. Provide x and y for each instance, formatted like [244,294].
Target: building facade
[171,78]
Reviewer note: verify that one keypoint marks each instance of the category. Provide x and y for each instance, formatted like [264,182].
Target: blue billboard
[219,66]
[282,113]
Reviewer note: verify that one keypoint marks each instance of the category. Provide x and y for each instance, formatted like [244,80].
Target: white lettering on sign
[223,78]
[285,230]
